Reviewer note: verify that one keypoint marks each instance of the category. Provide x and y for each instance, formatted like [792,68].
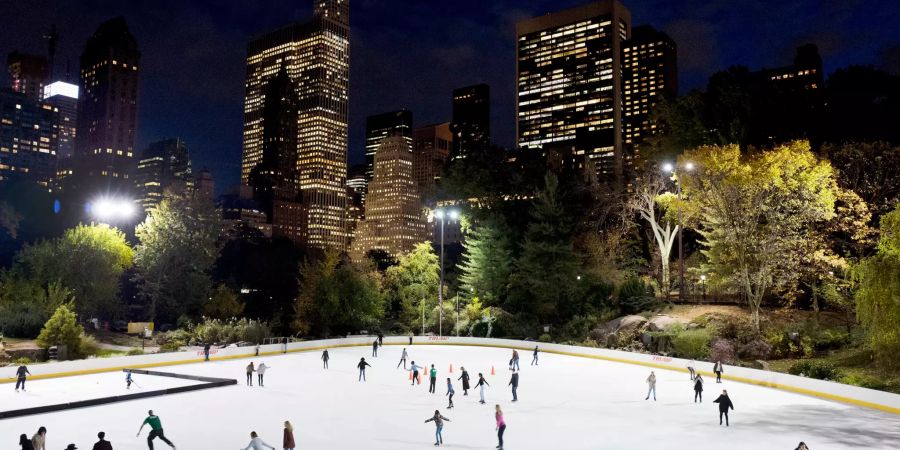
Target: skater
[438,420]
[501,425]
[481,384]
[410,337]
[260,371]
[534,359]
[288,441]
[284,342]
[415,373]
[20,377]
[450,393]
[718,369]
[690,368]
[256,443]
[514,362]
[325,358]
[403,359]
[156,430]
[432,380]
[380,339]
[39,440]
[651,382]
[25,442]
[250,370]
[257,349]
[801,446]
[375,348]
[102,444]
[362,369]
[698,388]
[71,447]
[128,380]
[206,352]
[514,382]
[465,381]
[724,403]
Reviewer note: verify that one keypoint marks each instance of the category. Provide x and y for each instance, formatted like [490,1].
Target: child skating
[698,388]
[415,373]
[362,368]
[481,384]
[438,420]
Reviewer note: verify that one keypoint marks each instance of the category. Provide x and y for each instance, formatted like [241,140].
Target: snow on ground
[566,402]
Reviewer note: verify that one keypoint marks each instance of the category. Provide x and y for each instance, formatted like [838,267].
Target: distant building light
[61,88]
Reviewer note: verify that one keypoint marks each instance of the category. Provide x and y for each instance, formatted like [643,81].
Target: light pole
[689,166]
[442,215]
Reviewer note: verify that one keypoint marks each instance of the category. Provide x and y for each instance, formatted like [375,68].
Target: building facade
[432,145]
[316,57]
[28,134]
[380,126]
[164,165]
[471,122]
[569,83]
[394,220]
[64,98]
[28,74]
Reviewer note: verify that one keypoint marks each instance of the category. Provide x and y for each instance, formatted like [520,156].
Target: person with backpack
[438,420]
[725,404]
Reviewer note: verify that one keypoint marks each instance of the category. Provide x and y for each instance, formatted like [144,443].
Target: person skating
[375,348]
[534,359]
[39,440]
[71,447]
[481,384]
[514,382]
[465,381]
[21,373]
[514,362]
[450,393]
[128,380]
[651,383]
[156,430]
[325,358]
[415,373]
[102,444]
[380,339]
[690,368]
[206,352]
[25,443]
[250,370]
[501,425]
[698,388]
[438,420]
[256,443]
[410,337]
[362,369]
[284,342]
[718,369]
[801,446]
[403,359]
[260,371]
[724,402]
[432,379]
[288,441]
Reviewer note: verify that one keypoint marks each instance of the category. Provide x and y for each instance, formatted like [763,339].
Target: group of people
[260,373]
[723,400]
[257,443]
[39,441]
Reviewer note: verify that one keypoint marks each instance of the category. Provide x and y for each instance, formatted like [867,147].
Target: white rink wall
[854,395]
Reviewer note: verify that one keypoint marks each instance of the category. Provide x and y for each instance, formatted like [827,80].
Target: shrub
[822,370]
[62,329]
[636,296]
[545,338]
[22,320]
[88,346]
[693,344]
[788,344]
[830,338]
[229,331]
[135,352]
[578,327]
[755,349]
[869,382]
[22,361]
[721,350]
[170,346]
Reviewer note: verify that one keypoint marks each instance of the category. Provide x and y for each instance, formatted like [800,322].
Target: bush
[545,338]
[692,344]
[62,329]
[229,331]
[790,344]
[578,327]
[135,352]
[22,361]
[88,346]
[22,320]
[822,370]
[866,382]
[830,338]
[721,350]
[636,296]
[755,349]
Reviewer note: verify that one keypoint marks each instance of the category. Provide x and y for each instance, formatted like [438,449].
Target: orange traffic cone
[451,368]
[492,370]
[419,379]
[410,375]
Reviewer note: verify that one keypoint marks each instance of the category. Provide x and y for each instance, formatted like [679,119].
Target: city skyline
[208,117]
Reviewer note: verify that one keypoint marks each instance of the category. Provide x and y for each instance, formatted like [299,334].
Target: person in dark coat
[380,339]
[362,368]
[25,442]
[206,352]
[514,382]
[534,359]
[102,444]
[284,342]
[724,404]
[718,369]
[375,348]
[801,446]
[20,377]
[325,358]
[465,380]
[698,388]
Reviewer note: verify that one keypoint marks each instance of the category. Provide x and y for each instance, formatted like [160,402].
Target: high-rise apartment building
[164,165]
[28,134]
[64,97]
[471,119]
[650,74]
[316,56]
[28,74]
[569,83]
[394,220]
[431,149]
[107,105]
[380,126]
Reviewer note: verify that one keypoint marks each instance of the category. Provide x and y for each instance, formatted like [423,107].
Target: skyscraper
[316,56]
[28,74]
[394,220]
[650,74]
[380,126]
[163,165]
[569,83]
[431,149]
[471,119]
[64,97]
[28,134]
[107,104]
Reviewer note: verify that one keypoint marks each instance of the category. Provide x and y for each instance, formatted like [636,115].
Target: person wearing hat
[102,444]
[71,447]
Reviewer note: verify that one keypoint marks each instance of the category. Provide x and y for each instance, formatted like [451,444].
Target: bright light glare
[702,277]
[439,213]
[454,214]
[689,166]
[112,209]
[668,167]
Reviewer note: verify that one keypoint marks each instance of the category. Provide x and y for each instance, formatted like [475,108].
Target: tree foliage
[412,284]
[487,262]
[62,329]
[223,303]
[878,295]
[651,201]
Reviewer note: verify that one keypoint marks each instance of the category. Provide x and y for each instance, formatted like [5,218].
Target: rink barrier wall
[853,395]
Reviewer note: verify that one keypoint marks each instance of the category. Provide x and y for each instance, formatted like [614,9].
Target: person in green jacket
[156,430]
[433,373]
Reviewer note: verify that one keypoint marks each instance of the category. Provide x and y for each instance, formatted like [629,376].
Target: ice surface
[565,403]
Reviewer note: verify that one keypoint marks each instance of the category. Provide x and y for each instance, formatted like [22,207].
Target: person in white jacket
[651,383]
[256,443]
[260,371]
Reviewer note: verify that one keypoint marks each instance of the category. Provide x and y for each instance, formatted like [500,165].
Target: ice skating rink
[564,403]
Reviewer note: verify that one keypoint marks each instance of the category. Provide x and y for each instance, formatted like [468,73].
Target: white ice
[565,402]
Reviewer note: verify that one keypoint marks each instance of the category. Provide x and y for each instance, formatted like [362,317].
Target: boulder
[630,324]
[662,323]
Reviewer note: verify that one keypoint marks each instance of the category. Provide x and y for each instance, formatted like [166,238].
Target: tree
[177,250]
[651,202]
[753,211]
[877,298]
[62,329]
[413,282]
[487,262]
[88,260]
[869,169]
[223,303]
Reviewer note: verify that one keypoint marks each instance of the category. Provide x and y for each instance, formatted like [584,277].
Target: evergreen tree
[487,262]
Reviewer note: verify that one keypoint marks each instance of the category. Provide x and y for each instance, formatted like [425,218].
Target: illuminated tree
[878,295]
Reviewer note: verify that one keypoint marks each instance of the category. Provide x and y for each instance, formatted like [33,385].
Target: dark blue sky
[412,53]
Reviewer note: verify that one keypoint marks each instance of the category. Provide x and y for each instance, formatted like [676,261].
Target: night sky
[412,53]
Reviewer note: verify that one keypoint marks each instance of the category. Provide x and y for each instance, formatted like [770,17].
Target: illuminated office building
[28,74]
[357,182]
[64,97]
[316,56]
[569,83]
[394,220]
[164,165]
[471,123]
[431,149]
[380,126]
[28,136]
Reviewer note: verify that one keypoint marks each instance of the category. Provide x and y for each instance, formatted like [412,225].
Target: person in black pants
[156,430]
[514,382]
[724,402]
[375,348]
[206,352]
[465,380]
[718,369]
[698,388]
[380,339]
[325,358]
[450,393]
[20,377]
[362,369]
[432,379]
[284,342]
[250,370]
